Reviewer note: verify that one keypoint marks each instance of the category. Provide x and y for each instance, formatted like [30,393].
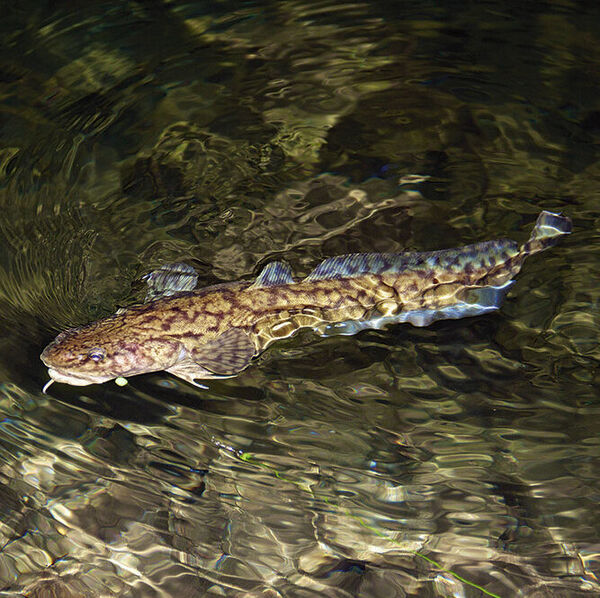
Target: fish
[217,331]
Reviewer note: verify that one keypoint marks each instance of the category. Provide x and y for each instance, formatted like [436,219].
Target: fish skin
[191,332]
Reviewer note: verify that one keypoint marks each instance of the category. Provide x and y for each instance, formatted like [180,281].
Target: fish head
[105,350]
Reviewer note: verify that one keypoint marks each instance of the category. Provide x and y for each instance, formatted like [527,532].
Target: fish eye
[96,354]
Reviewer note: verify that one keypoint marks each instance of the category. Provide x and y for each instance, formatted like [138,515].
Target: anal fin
[474,301]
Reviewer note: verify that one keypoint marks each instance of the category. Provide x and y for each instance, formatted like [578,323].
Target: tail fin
[546,232]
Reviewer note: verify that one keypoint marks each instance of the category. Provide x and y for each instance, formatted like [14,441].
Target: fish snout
[50,355]
[59,356]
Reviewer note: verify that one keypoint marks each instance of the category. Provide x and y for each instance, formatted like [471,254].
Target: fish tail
[548,228]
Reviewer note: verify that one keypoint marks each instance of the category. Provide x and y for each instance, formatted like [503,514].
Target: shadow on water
[454,460]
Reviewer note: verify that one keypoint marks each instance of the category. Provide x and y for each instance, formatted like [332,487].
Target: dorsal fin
[170,279]
[353,264]
[273,274]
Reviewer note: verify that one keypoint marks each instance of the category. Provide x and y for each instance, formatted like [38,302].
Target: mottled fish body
[217,331]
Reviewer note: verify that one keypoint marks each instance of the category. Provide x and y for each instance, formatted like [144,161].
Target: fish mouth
[75,380]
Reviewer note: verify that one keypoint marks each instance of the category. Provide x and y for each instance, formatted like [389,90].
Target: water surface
[455,460]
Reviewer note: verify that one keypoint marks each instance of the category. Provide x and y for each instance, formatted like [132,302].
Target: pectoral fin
[226,355]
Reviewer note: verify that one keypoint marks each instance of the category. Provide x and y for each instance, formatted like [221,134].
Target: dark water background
[226,134]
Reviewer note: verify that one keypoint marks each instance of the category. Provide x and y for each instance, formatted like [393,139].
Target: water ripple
[454,460]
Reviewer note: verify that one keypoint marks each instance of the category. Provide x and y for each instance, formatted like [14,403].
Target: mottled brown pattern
[217,330]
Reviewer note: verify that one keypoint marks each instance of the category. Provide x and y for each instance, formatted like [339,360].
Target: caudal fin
[548,228]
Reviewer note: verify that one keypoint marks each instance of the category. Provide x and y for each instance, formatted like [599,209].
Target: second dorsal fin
[354,264]
[274,274]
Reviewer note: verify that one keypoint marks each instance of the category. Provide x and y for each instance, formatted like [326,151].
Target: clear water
[455,460]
